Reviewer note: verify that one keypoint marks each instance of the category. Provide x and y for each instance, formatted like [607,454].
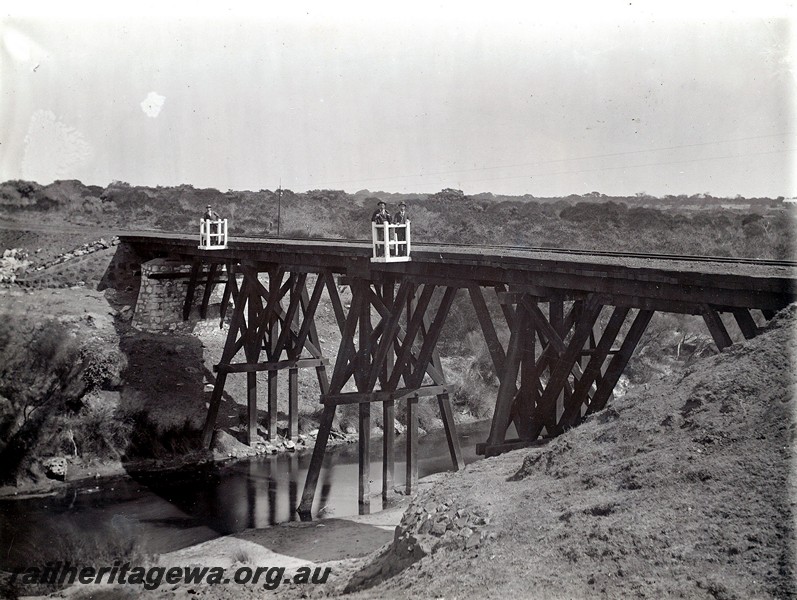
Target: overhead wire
[577,158]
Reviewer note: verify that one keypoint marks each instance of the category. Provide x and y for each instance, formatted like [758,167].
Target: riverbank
[683,489]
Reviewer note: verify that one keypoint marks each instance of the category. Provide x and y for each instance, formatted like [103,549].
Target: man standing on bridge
[401,218]
[380,214]
[380,217]
[210,214]
[212,218]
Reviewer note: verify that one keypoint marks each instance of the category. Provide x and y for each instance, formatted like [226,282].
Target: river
[160,512]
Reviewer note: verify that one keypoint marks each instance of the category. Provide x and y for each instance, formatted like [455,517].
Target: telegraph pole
[279,207]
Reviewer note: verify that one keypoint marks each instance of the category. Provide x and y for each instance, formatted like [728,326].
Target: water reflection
[161,513]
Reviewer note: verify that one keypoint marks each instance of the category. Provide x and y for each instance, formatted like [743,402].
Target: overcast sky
[506,101]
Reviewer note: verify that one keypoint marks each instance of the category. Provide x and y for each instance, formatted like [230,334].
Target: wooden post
[716,327]
[507,389]
[447,416]
[213,409]
[364,475]
[385,347]
[293,404]
[346,350]
[272,405]
[226,356]
[746,323]
[413,327]
[251,401]
[527,396]
[252,351]
[361,373]
[308,494]
[310,306]
[388,440]
[556,312]
[388,407]
[334,298]
[494,346]
[272,324]
[293,483]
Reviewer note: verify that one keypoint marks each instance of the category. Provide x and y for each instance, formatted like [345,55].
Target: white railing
[212,234]
[391,243]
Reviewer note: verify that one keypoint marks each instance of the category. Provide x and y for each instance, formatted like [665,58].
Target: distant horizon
[619,98]
[590,194]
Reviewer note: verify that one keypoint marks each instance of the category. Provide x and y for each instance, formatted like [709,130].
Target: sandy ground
[340,544]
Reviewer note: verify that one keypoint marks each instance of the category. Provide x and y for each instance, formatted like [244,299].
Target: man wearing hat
[401,218]
[379,217]
[212,216]
[380,214]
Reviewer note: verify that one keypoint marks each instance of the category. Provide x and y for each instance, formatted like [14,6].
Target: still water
[163,512]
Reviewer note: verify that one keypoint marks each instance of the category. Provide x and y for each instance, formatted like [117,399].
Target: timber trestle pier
[573,321]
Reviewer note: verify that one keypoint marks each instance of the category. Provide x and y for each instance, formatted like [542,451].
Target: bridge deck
[657,282]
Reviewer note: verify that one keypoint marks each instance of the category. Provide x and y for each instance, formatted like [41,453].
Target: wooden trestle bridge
[556,368]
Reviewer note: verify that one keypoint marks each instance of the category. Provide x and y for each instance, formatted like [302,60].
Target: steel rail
[769,262]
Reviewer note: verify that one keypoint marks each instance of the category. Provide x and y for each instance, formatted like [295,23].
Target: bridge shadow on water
[154,513]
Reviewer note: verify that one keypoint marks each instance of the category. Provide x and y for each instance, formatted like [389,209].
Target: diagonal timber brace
[388,354]
[259,322]
[555,390]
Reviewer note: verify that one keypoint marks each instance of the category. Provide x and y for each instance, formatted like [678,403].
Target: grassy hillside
[757,227]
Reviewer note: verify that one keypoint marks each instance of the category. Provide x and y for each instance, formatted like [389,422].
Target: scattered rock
[226,444]
[55,468]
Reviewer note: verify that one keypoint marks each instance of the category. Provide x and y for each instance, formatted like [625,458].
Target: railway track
[768,262]
[617,254]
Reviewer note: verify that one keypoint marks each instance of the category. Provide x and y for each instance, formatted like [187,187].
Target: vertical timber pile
[260,322]
[399,353]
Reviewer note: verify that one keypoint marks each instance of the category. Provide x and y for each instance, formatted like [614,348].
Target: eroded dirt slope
[681,490]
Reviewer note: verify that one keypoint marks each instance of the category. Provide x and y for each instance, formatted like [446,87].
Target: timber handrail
[212,234]
[391,242]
